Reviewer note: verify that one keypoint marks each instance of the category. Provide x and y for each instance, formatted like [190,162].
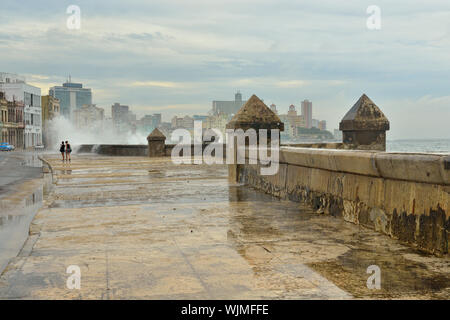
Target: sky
[176,56]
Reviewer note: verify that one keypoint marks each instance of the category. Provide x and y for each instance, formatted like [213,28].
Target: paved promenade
[141,228]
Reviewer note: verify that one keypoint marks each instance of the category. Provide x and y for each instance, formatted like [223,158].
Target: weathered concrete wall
[129,150]
[405,196]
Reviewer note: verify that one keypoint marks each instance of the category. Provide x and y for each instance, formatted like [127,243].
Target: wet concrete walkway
[21,192]
[143,228]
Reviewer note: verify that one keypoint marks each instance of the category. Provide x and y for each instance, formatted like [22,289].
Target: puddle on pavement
[15,219]
[401,276]
[32,160]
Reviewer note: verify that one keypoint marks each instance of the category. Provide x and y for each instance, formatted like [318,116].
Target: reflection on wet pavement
[146,228]
[17,212]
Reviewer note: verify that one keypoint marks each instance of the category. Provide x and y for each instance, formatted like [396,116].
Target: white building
[15,88]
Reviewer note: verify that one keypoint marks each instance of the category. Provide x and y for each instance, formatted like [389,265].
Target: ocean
[421,146]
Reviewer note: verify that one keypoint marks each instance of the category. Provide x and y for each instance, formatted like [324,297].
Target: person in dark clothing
[62,149]
[68,151]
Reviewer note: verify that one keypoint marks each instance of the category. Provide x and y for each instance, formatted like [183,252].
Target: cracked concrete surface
[144,228]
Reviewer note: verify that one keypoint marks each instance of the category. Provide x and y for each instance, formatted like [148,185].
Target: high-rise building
[18,91]
[307,113]
[71,96]
[156,120]
[120,117]
[89,117]
[228,107]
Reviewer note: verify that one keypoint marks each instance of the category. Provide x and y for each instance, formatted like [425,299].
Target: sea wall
[132,150]
[405,196]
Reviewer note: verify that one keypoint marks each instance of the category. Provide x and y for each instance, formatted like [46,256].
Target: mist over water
[101,132]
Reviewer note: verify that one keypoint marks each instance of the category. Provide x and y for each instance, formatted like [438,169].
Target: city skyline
[175,58]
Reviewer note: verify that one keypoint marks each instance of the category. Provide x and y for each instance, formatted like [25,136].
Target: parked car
[39,147]
[5,146]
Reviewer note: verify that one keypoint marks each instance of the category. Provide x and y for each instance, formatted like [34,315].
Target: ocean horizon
[418,145]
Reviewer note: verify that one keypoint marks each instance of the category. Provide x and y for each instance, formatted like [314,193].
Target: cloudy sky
[176,56]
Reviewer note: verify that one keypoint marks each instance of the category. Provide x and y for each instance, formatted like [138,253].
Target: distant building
[314,123]
[146,124]
[228,107]
[15,125]
[3,118]
[72,96]
[121,118]
[200,117]
[11,121]
[50,110]
[156,120]
[17,91]
[323,125]
[186,122]
[176,122]
[292,121]
[217,121]
[89,117]
[307,113]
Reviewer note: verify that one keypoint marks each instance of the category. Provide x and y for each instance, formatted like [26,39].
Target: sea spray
[100,132]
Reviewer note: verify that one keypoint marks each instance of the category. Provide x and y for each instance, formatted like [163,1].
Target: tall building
[19,92]
[50,110]
[307,113]
[149,122]
[228,107]
[120,117]
[89,117]
[156,121]
[71,96]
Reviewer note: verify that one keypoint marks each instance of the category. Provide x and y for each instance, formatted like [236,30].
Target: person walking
[68,151]
[62,149]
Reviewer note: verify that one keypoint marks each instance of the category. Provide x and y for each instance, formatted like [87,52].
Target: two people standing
[65,149]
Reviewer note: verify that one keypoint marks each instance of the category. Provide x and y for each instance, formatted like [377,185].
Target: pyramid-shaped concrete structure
[156,135]
[257,115]
[364,115]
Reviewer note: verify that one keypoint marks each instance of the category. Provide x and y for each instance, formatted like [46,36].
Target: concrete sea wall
[405,196]
[129,150]
[132,150]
